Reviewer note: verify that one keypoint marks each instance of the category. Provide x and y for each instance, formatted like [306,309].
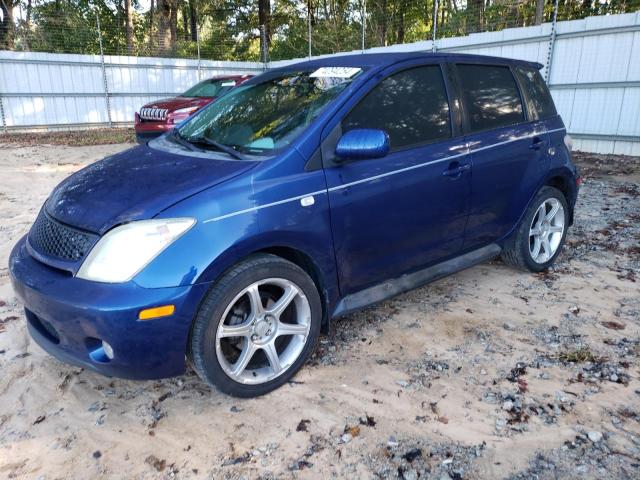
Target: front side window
[210,88]
[411,106]
[537,92]
[491,96]
[268,115]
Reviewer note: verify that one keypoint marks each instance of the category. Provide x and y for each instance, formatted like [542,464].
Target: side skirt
[391,288]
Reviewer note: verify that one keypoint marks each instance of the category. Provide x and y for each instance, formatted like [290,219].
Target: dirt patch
[97,136]
[489,373]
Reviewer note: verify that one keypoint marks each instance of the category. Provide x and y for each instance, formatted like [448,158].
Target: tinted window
[269,113]
[411,106]
[491,96]
[210,88]
[537,93]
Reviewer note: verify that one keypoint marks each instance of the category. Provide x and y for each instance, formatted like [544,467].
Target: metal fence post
[2,118]
[309,30]
[364,21]
[264,49]
[552,41]
[104,73]
[434,28]
[198,46]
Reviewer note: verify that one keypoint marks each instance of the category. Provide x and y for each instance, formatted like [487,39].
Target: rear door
[507,148]
[395,214]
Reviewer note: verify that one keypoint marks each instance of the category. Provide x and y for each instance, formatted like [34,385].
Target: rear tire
[256,327]
[541,234]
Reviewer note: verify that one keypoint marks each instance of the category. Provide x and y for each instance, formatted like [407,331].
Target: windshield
[210,88]
[268,115]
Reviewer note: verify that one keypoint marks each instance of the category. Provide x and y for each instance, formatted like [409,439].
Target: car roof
[386,59]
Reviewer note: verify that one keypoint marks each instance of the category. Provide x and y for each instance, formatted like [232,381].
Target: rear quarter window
[537,93]
[491,96]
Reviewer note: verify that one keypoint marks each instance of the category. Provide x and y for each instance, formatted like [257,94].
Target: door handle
[456,169]
[536,144]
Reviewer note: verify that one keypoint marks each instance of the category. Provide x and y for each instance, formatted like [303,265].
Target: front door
[408,210]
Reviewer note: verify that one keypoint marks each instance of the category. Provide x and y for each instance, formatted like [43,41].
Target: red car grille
[153,113]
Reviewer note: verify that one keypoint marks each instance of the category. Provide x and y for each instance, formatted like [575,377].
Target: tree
[128,13]
[264,20]
[193,16]
[539,12]
[167,26]
[7,27]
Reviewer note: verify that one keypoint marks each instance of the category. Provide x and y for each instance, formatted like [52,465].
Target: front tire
[539,238]
[256,327]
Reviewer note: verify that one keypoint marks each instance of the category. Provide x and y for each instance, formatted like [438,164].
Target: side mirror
[362,143]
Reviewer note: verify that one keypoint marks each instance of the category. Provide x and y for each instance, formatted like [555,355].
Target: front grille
[55,239]
[43,327]
[153,113]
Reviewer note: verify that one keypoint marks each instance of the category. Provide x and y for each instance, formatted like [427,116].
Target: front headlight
[127,249]
[182,111]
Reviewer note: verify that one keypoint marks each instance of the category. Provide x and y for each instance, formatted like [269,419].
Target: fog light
[108,350]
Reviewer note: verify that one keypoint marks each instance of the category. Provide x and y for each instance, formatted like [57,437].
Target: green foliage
[230,29]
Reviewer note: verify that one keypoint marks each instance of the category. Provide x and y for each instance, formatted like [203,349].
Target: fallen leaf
[302,426]
[156,463]
[368,421]
[614,325]
[353,431]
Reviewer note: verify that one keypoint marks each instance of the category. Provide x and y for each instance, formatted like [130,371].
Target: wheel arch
[561,179]
[565,183]
[319,267]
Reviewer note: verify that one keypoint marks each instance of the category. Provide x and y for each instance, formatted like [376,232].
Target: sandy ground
[490,373]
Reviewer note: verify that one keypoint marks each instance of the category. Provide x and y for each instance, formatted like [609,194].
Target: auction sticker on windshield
[335,72]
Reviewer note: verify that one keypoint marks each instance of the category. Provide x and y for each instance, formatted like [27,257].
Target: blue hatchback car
[308,192]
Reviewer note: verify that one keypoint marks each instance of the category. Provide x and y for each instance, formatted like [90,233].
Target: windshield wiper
[219,146]
[179,139]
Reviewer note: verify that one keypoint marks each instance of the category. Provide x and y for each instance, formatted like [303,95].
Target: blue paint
[362,144]
[375,216]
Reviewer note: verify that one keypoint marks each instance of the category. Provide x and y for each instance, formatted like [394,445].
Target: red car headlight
[180,114]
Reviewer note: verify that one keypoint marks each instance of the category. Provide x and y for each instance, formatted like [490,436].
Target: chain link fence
[259,30]
[130,52]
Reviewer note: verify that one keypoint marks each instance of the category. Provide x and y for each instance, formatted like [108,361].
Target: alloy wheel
[263,331]
[546,230]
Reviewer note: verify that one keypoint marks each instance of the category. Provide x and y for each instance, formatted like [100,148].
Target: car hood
[176,103]
[135,184]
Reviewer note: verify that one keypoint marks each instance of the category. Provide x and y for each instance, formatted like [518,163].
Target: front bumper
[70,317]
[148,130]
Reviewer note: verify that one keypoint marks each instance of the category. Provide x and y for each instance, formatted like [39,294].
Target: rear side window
[537,93]
[411,106]
[491,96]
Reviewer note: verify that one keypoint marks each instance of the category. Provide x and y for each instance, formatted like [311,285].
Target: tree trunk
[29,8]
[383,32]
[167,25]
[185,22]
[151,32]
[400,28]
[174,25]
[475,16]
[264,20]
[128,27]
[7,27]
[193,15]
[539,12]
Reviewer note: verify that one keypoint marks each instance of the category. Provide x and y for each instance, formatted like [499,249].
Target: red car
[161,116]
